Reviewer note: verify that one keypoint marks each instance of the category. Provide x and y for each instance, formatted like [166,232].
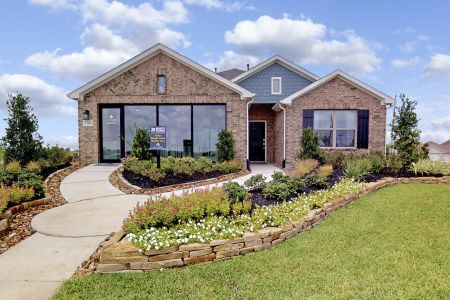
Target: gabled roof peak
[281,60]
[156,49]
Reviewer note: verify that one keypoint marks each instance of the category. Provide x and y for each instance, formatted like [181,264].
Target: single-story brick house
[265,107]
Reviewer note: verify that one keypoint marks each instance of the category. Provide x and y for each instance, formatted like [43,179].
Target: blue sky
[50,47]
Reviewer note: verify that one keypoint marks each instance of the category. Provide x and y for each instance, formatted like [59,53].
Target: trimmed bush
[236,192]
[256,182]
[226,146]
[357,168]
[310,147]
[314,180]
[29,179]
[282,187]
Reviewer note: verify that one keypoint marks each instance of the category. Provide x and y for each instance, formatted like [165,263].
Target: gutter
[276,107]
[248,135]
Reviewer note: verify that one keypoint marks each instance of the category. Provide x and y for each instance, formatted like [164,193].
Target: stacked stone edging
[118,181]
[122,256]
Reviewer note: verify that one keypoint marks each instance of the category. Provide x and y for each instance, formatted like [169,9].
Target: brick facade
[335,94]
[139,86]
[264,112]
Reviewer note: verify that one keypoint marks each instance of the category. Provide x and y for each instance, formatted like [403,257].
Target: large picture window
[208,121]
[177,119]
[335,128]
[137,116]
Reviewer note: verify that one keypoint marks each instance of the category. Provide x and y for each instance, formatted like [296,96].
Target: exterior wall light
[86,115]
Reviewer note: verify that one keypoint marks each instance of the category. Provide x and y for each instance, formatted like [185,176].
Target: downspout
[248,135]
[283,163]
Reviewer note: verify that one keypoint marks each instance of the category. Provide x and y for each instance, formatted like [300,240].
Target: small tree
[405,134]
[310,147]
[21,141]
[226,146]
[141,144]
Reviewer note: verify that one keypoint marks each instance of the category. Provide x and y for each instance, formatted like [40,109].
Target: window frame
[158,77]
[272,90]
[334,128]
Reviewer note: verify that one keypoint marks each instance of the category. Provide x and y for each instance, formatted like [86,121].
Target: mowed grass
[393,244]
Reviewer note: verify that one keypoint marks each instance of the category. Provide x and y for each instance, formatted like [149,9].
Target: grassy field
[393,244]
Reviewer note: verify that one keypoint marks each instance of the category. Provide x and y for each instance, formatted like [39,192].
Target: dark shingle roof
[231,73]
[444,147]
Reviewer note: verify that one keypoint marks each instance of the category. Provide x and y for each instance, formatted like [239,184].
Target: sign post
[158,141]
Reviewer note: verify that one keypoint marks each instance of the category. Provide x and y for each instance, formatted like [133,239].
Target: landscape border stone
[119,255]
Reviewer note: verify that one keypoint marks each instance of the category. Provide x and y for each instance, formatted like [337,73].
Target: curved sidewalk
[68,234]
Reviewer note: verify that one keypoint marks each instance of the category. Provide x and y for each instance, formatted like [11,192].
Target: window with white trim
[276,85]
[336,128]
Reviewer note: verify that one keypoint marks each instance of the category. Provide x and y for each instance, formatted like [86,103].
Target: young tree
[21,141]
[405,134]
[141,144]
[226,146]
[310,147]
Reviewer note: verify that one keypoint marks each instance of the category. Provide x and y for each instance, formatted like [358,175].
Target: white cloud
[409,47]
[437,136]
[422,37]
[404,63]
[439,65]
[114,32]
[443,122]
[46,99]
[69,141]
[229,6]
[304,41]
[231,59]
[55,4]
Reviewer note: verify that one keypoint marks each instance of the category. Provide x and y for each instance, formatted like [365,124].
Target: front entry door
[111,142]
[257,137]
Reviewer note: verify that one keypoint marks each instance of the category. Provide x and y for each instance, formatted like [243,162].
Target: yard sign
[158,138]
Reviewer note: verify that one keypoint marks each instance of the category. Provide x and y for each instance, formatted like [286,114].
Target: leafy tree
[405,134]
[141,144]
[21,141]
[226,146]
[310,147]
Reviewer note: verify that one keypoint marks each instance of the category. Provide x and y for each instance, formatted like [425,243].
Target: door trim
[265,141]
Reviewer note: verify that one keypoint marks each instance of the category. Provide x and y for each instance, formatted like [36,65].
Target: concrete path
[68,234]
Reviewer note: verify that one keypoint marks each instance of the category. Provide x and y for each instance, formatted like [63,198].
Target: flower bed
[125,256]
[174,171]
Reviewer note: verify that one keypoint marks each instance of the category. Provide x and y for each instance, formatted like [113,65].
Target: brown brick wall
[264,112]
[138,85]
[335,94]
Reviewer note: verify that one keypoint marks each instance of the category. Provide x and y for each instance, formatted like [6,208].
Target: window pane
[137,116]
[162,84]
[323,119]
[177,119]
[111,133]
[276,85]
[325,138]
[346,119]
[345,138]
[208,121]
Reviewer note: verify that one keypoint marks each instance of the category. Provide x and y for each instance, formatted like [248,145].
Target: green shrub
[226,146]
[377,160]
[430,167]
[185,166]
[256,182]
[278,176]
[310,147]
[13,167]
[204,165]
[53,156]
[33,166]
[178,209]
[304,166]
[282,187]
[314,180]
[357,168]
[335,158]
[15,195]
[230,166]
[325,170]
[29,179]
[394,163]
[241,207]
[145,168]
[236,192]
[140,148]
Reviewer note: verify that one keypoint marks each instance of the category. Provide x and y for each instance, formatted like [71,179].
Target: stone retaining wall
[122,256]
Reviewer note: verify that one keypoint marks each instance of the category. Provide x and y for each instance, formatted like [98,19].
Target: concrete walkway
[68,234]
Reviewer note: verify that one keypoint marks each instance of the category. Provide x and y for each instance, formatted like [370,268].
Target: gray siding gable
[260,83]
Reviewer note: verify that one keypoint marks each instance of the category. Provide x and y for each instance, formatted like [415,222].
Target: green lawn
[393,244]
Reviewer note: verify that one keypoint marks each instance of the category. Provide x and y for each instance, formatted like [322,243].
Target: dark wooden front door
[257,137]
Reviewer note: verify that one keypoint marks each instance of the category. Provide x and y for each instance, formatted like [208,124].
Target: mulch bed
[131,183]
[20,224]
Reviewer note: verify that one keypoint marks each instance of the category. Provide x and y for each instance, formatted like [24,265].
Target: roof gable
[282,61]
[347,78]
[158,48]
